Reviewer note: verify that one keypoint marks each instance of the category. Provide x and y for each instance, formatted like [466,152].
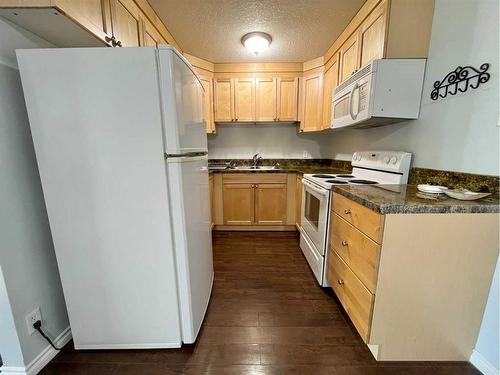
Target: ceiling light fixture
[256,42]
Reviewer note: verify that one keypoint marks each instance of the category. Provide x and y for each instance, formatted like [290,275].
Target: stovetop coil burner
[363,182]
[323,176]
[336,182]
[345,175]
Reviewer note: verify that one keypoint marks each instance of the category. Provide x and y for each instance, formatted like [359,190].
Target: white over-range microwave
[383,92]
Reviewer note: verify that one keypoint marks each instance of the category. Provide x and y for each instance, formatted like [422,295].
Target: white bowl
[465,195]
[431,189]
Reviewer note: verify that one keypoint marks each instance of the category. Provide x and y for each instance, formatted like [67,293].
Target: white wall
[26,253]
[241,141]
[10,348]
[486,354]
[458,133]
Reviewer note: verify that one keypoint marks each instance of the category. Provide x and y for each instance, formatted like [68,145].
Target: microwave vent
[360,73]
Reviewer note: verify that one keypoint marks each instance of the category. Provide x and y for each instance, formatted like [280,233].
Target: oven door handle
[315,189]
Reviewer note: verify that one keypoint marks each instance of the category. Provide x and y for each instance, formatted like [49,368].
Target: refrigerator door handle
[186,154]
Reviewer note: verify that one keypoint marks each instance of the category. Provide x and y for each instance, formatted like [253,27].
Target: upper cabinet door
[349,57]
[330,81]
[372,35]
[224,104]
[265,104]
[150,36]
[126,22]
[288,92]
[208,104]
[244,99]
[313,103]
[93,15]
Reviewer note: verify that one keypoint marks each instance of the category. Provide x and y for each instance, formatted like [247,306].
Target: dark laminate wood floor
[267,316]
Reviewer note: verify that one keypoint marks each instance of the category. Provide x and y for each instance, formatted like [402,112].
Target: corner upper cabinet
[244,99]
[266,99]
[287,92]
[126,23]
[330,81]
[224,99]
[312,102]
[151,37]
[208,103]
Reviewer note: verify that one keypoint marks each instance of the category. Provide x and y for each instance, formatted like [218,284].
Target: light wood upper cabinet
[287,90]
[266,99]
[238,203]
[312,102]
[208,103]
[224,99]
[92,14]
[151,37]
[330,81]
[349,56]
[270,204]
[126,22]
[244,99]
[372,35]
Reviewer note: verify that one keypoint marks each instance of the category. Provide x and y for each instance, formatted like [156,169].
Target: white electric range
[389,169]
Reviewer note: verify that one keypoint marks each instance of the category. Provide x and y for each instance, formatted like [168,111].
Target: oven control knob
[387,159]
[394,160]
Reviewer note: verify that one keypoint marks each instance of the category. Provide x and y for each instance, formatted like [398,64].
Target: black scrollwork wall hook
[459,80]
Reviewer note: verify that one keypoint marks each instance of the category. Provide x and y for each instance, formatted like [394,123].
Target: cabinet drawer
[367,221]
[355,298]
[254,178]
[357,250]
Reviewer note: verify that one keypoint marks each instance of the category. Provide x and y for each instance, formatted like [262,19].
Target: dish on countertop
[431,189]
[465,195]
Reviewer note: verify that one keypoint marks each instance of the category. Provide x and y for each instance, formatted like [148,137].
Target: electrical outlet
[32,317]
[306,155]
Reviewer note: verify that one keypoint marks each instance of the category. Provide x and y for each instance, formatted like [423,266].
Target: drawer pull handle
[341,282]
[344,243]
[347,211]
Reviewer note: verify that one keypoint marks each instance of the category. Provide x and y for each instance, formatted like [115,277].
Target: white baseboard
[161,345]
[42,359]
[482,364]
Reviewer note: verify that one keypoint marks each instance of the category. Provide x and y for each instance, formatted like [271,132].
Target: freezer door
[182,104]
[190,212]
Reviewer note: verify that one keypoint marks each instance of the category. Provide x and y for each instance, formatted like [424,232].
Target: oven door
[314,218]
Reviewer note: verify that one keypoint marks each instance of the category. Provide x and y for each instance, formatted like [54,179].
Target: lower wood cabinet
[414,285]
[238,203]
[270,204]
[254,200]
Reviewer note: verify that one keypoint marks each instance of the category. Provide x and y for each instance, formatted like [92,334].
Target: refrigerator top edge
[167,47]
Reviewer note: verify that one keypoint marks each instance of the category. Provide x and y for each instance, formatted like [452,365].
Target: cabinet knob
[347,211]
[341,282]
[108,39]
[235,119]
[119,43]
[344,243]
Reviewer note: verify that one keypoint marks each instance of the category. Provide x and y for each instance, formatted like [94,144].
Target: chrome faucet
[256,159]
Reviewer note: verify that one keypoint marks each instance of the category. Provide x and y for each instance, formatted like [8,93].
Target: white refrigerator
[121,147]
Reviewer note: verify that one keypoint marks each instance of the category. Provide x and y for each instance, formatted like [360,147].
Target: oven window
[311,211]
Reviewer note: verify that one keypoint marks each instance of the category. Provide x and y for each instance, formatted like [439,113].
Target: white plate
[465,195]
[432,189]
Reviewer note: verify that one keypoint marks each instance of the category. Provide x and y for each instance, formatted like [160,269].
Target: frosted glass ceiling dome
[256,42]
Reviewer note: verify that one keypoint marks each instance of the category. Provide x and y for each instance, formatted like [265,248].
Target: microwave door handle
[351,112]
[308,185]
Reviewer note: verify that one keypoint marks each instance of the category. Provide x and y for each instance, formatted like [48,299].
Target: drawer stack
[353,258]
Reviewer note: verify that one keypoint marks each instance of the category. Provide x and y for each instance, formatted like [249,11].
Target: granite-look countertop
[408,200]
[295,169]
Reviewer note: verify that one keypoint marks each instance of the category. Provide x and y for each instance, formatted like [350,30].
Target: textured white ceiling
[212,29]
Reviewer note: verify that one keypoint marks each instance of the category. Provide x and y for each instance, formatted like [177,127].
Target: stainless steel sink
[257,168]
